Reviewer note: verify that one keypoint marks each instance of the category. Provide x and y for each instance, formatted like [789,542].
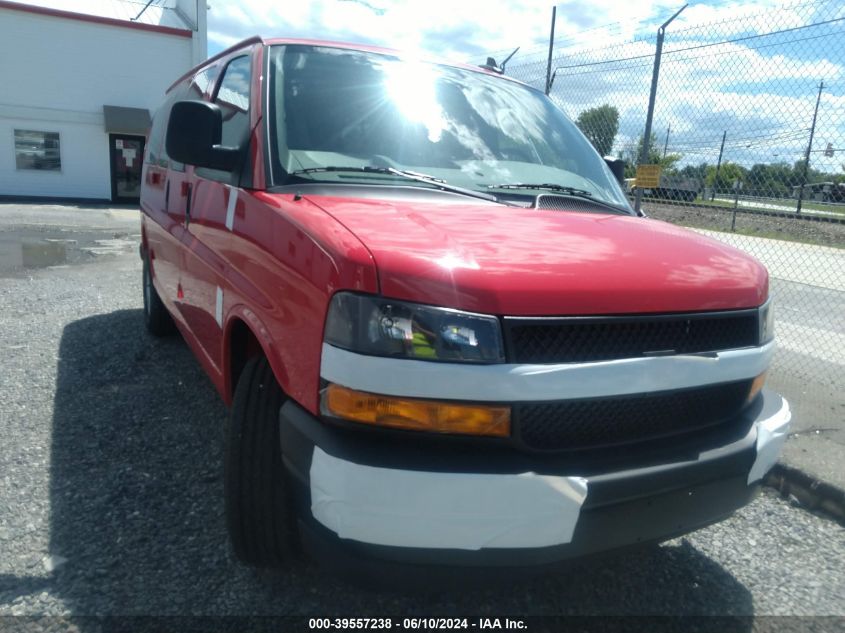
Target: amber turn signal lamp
[756,386]
[416,415]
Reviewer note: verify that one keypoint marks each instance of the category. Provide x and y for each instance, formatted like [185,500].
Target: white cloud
[733,18]
[762,90]
[441,28]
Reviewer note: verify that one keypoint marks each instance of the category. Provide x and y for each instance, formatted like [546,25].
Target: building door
[127,154]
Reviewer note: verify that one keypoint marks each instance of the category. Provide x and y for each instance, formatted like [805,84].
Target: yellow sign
[648,176]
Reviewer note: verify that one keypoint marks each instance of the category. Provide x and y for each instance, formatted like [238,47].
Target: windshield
[340,108]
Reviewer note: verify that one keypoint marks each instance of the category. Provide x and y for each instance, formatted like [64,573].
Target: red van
[445,336]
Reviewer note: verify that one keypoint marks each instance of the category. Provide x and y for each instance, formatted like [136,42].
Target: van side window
[156,144]
[201,82]
[196,90]
[233,98]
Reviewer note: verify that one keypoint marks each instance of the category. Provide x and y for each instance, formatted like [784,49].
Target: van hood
[491,258]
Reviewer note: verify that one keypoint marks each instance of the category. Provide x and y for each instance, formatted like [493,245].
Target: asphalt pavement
[111,496]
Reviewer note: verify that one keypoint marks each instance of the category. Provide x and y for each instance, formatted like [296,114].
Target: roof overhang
[94,19]
[121,120]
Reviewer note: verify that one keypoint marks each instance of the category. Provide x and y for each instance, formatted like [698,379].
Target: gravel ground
[755,224]
[111,496]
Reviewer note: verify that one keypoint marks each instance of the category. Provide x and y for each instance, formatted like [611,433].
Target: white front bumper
[468,511]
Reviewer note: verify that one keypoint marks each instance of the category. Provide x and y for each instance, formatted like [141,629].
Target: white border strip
[230,209]
[771,435]
[407,508]
[218,307]
[515,383]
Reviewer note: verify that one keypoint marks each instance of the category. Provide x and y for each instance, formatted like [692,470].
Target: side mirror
[194,131]
[617,166]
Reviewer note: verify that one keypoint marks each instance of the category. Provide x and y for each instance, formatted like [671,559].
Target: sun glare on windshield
[411,86]
[345,109]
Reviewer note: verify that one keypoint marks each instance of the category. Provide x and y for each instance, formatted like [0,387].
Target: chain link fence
[749,135]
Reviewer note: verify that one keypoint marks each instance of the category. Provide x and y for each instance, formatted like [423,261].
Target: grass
[763,226]
[771,235]
[774,235]
[746,205]
[832,208]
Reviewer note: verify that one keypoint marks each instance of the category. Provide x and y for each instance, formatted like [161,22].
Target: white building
[79,80]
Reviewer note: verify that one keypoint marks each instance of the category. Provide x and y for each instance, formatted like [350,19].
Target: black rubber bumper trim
[624,507]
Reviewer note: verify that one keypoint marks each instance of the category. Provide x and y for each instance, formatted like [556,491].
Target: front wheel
[259,510]
[156,317]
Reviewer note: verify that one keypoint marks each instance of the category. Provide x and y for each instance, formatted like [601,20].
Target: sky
[760,91]
[748,69]
[446,29]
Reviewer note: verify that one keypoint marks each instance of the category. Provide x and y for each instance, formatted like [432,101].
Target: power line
[540,48]
[744,18]
[780,129]
[746,49]
[745,141]
[698,46]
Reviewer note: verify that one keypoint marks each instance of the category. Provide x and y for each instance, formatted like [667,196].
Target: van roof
[257,39]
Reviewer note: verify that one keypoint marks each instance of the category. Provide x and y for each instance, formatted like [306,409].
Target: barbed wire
[670,60]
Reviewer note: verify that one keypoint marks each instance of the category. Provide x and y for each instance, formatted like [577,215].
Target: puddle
[43,254]
[31,249]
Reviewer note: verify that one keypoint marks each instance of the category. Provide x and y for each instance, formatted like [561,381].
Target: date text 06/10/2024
[416,624]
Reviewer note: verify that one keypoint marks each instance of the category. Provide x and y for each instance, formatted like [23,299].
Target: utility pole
[718,166]
[551,48]
[661,32]
[666,144]
[809,147]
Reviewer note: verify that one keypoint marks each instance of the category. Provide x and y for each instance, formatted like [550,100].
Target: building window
[37,150]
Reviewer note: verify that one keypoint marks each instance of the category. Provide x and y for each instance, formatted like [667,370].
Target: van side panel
[161,204]
[285,260]
[271,261]
[207,229]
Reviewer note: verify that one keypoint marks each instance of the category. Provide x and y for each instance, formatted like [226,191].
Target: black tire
[156,317]
[259,510]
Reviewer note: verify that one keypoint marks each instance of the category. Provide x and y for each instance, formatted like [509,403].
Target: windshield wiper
[367,169]
[409,175]
[571,191]
[565,191]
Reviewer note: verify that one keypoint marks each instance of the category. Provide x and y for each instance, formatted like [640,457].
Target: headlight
[767,322]
[384,327]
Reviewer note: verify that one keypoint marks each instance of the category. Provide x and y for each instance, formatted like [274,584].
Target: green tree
[694,171]
[600,126]
[773,179]
[728,174]
[655,157]
[813,175]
